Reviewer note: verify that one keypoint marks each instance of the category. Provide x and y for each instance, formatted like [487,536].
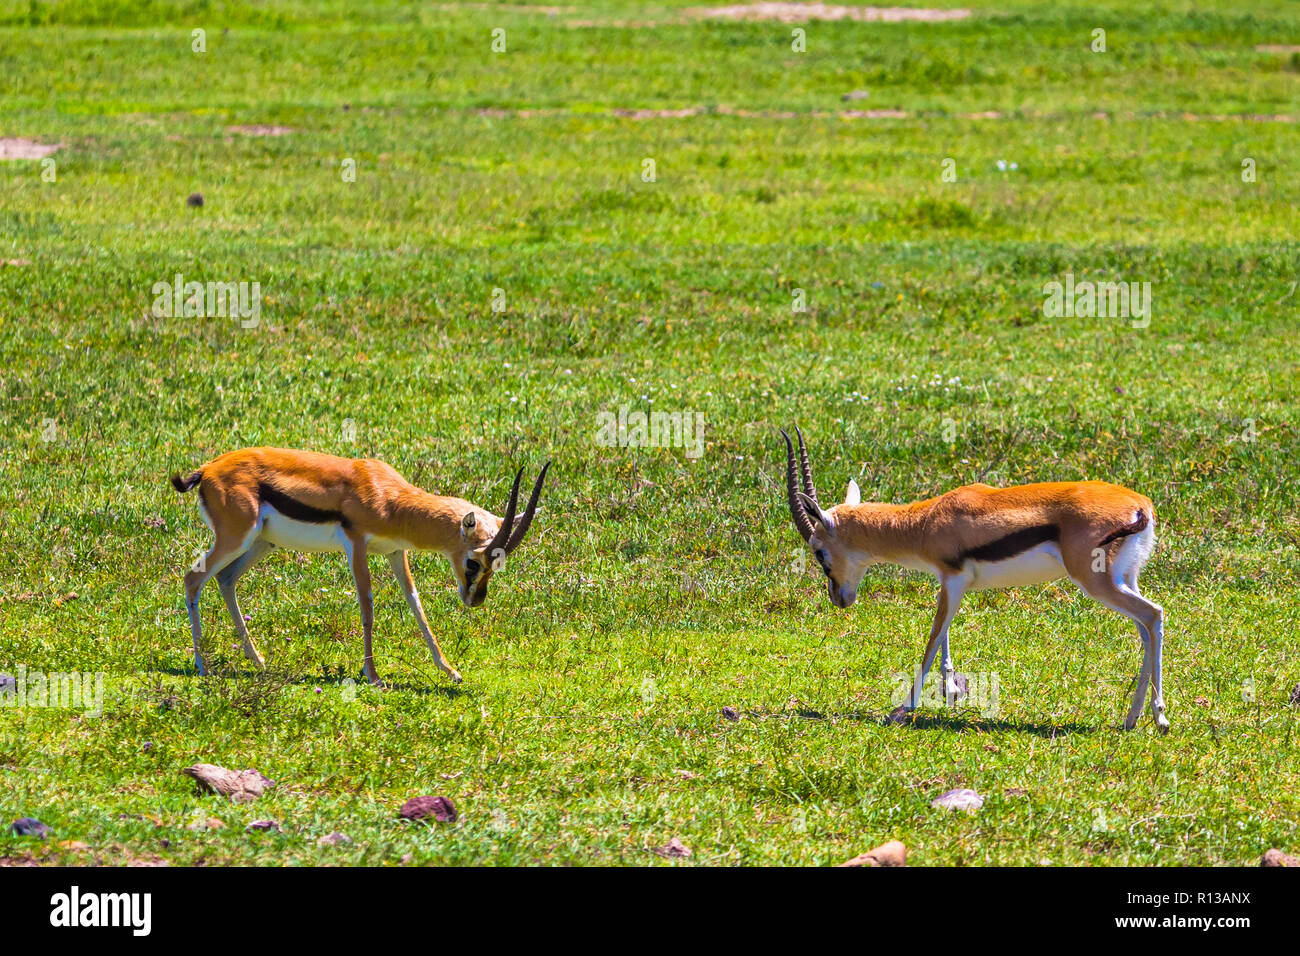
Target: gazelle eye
[472,566]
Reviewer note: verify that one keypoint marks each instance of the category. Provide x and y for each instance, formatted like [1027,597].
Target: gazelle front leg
[1143,680]
[951,590]
[357,555]
[951,689]
[400,564]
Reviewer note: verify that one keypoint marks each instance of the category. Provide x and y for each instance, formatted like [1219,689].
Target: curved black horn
[801,519]
[503,533]
[805,470]
[531,510]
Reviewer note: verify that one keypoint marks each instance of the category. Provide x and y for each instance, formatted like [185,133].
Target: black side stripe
[1010,545]
[1138,524]
[295,509]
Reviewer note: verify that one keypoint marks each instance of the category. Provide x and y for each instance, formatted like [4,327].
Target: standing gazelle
[257,499]
[978,537]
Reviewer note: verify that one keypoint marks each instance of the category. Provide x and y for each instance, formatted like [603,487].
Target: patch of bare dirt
[510,8]
[659,114]
[1277,48]
[260,130]
[17,148]
[800,12]
[873,114]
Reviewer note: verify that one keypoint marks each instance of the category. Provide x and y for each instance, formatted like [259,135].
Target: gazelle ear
[822,519]
[853,496]
[467,524]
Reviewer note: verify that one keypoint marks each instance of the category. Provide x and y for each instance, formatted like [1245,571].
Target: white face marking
[1035,566]
[300,535]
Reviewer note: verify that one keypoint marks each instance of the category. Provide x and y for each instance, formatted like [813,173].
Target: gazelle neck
[886,532]
[428,522]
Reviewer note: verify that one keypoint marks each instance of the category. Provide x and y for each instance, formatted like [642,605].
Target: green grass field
[656,588]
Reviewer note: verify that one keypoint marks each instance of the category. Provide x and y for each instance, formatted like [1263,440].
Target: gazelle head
[842,564]
[486,542]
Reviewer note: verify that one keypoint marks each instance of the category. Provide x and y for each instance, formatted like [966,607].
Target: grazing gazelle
[978,537]
[257,499]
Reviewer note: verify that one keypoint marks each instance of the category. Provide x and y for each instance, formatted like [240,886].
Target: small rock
[961,799]
[243,786]
[421,808]
[334,839]
[892,853]
[899,715]
[8,684]
[1015,792]
[195,200]
[1276,857]
[673,849]
[731,713]
[263,825]
[211,823]
[29,826]
[155,521]
[1295,696]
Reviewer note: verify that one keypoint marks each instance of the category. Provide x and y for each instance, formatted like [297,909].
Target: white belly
[377,545]
[301,535]
[1035,566]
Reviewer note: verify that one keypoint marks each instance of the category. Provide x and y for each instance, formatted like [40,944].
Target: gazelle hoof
[1162,722]
[455,677]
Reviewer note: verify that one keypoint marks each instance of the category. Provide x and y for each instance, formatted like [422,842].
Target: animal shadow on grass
[950,721]
[273,679]
[966,721]
[945,721]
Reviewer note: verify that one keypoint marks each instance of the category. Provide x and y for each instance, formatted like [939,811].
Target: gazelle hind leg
[223,552]
[226,580]
[1116,593]
[1134,555]
[235,528]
